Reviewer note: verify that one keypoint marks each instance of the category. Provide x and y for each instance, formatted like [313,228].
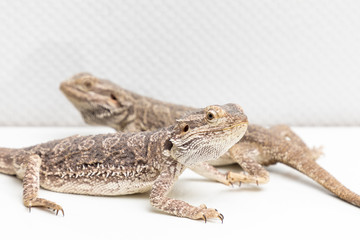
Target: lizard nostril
[112,96]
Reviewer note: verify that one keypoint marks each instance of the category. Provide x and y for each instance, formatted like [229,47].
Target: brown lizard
[102,102]
[127,163]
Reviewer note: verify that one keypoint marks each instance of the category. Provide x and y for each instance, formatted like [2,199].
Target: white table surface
[290,206]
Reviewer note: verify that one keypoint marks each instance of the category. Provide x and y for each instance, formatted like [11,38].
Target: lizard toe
[208,213]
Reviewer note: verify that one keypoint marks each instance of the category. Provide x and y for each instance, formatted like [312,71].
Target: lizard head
[96,99]
[208,133]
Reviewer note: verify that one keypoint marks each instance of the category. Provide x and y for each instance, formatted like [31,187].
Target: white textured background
[294,62]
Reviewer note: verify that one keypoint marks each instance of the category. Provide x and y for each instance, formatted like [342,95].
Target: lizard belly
[96,186]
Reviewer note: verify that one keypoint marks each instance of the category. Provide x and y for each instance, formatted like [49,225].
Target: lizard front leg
[246,156]
[208,171]
[31,185]
[159,199]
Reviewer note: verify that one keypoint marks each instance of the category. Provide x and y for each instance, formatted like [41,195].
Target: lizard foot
[40,202]
[316,152]
[246,178]
[205,213]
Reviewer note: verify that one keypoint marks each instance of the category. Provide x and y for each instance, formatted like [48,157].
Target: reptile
[102,102]
[127,163]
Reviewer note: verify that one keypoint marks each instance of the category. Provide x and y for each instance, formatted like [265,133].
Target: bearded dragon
[127,163]
[102,102]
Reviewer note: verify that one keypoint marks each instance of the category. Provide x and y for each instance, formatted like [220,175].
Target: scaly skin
[102,102]
[127,163]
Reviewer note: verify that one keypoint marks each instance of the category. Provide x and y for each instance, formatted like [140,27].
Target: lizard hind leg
[31,185]
[285,132]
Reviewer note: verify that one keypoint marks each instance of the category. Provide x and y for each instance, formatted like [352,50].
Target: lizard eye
[88,84]
[211,116]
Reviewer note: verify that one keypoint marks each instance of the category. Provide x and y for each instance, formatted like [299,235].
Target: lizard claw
[56,208]
[40,202]
[57,212]
[207,213]
[204,217]
[221,218]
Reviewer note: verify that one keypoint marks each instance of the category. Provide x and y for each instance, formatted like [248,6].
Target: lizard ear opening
[168,145]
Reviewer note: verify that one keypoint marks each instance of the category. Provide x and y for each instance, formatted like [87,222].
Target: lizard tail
[311,169]
[6,161]
[298,156]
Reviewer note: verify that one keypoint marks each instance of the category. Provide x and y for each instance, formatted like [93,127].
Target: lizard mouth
[71,92]
[241,124]
[83,100]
